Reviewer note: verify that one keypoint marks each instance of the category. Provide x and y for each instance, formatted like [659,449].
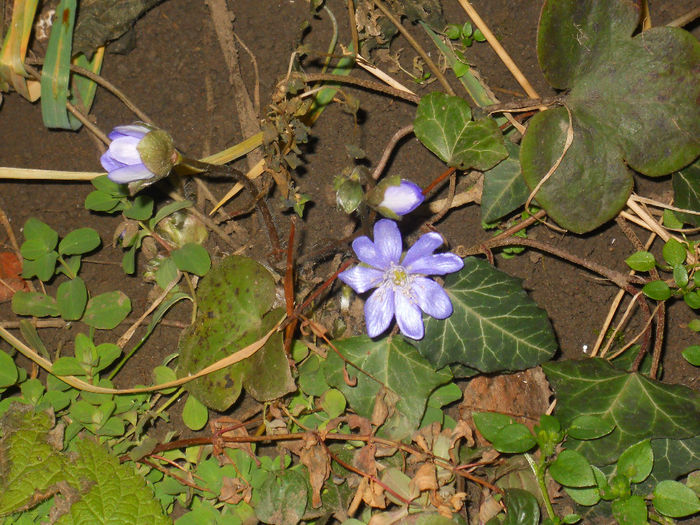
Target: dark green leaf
[636,462]
[590,427]
[444,125]
[674,252]
[8,370]
[572,469]
[686,192]
[675,500]
[78,242]
[141,208]
[71,298]
[192,258]
[495,326]
[407,377]
[101,201]
[641,408]
[35,304]
[167,210]
[521,507]
[657,290]
[107,310]
[515,438]
[504,187]
[489,423]
[104,184]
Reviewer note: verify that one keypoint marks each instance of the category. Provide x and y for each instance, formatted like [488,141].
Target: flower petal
[424,246]
[361,278]
[368,253]
[438,264]
[124,150]
[431,298]
[408,317]
[130,130]
[108,162]
[387,239]
[403,198]
[130,174]
[379,310]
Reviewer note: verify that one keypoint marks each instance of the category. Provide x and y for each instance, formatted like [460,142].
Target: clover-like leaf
[393,364]
[639,407]
[495,326]
[234,301]
[632,102]
[444,125]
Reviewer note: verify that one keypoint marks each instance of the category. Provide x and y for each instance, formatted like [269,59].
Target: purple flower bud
[402,198]
[138,153]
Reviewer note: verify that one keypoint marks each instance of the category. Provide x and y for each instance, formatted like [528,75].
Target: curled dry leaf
[314,457]
[235,490]
[424,479]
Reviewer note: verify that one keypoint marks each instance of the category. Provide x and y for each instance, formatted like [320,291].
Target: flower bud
[138,153]
[349,195]
[394,197]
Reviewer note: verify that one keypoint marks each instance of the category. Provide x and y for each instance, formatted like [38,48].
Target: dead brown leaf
[315,458]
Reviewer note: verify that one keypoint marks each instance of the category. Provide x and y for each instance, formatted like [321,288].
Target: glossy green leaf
[631,510]
[657,290]
[489,423]
[636,462]
[686,192]
[78,242]
[641,261]
[495,326]
[71,299]
[572,469]
[40,239]
[8,370]
[674,252]
[589,427]
[521,507]
[234,300]
[407,377]
[645,117]
[675,500]
[692,299]
[55,73]
[444,125]
[107,310]
[35,304]
[194,414]
[673,458]
[692,354]
[192,258]
[515,438]
[641,408]
[283,498]
[504,187]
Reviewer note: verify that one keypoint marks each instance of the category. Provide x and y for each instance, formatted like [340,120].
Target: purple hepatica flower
[403,289]
[402,198]
[122,160]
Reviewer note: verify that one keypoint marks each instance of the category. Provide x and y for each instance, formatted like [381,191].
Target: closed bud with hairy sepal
[394,197]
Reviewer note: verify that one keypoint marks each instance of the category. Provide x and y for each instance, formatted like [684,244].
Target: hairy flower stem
[214,170]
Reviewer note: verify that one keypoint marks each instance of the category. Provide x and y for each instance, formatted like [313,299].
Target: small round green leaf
[141,208]
[694,325]
[107,310]
[641,261]
[101,201]
[675,500]
[587,496]
[657,290]
[164,374]
[35,304]
[692,299]
[194,414]
[636,462]
[192,258]
[43,237]
[692,355]
[333,402]
[107,354]
[590,427]
[68,366]
[572,469]
[8,370]
[514,439]
[674,252]
[71,298]
[680,276]
[80,241]
[489,423]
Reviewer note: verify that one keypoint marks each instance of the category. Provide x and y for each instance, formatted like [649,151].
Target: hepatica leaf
[633,102]
[392,362]
[639,407]
[686,192]
[495,326]
[444,125]
[234,301]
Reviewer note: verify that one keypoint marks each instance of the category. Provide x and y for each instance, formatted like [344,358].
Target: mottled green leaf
[107,310]
[407,379]
[633,102]
[71,298]
[495,326]
[283,498]
[35,304]
[444,125]
[639,407]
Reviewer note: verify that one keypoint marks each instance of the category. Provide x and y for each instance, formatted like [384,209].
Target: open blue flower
[122,160]
[403,289]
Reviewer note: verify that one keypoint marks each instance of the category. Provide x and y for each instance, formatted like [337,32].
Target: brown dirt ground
[177,75]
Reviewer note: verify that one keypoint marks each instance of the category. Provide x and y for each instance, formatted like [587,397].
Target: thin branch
[389,149]
[367,84]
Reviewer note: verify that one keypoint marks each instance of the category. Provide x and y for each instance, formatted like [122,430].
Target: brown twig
[389,149]
[370,85]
